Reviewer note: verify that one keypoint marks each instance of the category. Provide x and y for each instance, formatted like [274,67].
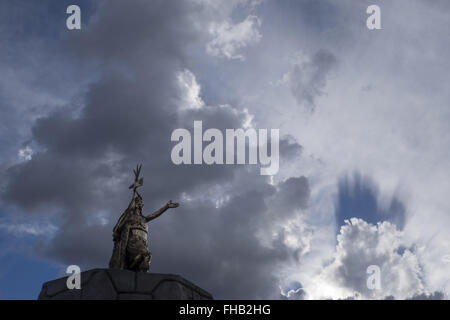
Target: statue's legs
[138,257]
[143,262]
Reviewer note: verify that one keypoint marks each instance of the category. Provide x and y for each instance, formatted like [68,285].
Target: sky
[364,148]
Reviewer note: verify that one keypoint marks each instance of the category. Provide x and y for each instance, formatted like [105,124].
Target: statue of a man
[130,233]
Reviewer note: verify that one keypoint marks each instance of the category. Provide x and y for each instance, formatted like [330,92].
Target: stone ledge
[115,284]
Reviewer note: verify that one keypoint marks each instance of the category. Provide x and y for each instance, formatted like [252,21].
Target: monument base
[115,284]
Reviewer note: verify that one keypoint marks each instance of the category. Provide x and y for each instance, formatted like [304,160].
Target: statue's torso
[138,228]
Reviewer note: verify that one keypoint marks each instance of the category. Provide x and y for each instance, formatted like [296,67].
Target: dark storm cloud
[289,147]
[293,194]
[83,165]
[308,79]
[128,114]
[45,179]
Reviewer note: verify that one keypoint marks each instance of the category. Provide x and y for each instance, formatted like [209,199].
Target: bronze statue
[130,233]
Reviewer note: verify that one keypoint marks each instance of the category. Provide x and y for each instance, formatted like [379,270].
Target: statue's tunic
[137,239]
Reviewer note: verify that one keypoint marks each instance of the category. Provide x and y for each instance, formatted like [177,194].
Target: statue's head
[138,202]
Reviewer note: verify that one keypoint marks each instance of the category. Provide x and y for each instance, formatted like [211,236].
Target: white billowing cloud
[293,294]
[295,234]
[229,38]
[361,245]
[190,91]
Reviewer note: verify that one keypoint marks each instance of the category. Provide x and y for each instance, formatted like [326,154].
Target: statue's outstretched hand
[171,204]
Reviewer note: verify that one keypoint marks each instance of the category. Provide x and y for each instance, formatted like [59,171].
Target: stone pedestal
[115,284]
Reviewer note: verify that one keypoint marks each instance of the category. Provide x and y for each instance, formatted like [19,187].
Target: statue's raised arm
[159,212]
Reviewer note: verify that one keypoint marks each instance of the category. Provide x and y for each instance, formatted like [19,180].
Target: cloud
[437,295]
[25,153]
[361,245]
[28,228]
[229,38]
[308,77]
[297,294]
[189,85]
